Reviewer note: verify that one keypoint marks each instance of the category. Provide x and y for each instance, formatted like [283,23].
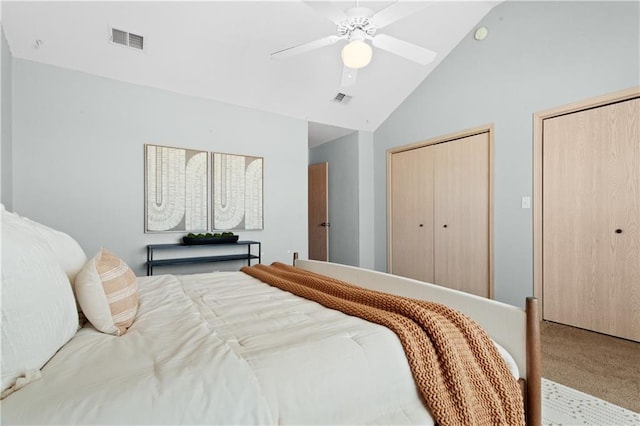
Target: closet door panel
[461,215]
[591,219]
[412,214]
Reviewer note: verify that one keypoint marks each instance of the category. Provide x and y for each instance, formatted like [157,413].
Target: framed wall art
[176,189]
[237,192]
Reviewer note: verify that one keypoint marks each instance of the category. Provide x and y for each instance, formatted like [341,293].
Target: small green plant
[210,235]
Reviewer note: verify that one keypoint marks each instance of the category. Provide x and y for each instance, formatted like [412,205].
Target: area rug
[562,405]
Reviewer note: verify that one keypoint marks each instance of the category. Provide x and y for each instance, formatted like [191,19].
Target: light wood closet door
[591,219]
[412,214]
[461,215]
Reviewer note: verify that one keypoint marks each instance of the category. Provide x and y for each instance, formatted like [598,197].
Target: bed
[217,348]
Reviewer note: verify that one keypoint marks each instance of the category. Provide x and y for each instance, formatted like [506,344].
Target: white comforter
[225,348]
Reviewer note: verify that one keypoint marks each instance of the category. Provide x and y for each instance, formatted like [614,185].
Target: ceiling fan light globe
[356,54]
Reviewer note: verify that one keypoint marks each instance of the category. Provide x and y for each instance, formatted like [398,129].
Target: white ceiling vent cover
[342,99]
[124,38]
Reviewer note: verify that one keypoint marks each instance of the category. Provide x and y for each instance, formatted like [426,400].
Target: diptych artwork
[237,192]
[176,189]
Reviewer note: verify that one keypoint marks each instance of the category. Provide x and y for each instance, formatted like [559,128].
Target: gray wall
[78,158]
[6,190]
[342,156]
[366,197]
[538,55]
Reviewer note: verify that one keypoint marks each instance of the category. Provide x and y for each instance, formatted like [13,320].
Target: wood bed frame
[515,329]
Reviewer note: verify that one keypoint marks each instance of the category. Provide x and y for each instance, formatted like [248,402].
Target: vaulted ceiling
[222,51]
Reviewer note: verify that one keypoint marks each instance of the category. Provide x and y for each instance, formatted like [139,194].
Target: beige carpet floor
[600,365]
[562,405]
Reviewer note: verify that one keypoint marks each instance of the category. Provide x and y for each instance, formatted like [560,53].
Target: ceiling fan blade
[349,76]
[328,10]
[396,11]
[306,47]
[403,48]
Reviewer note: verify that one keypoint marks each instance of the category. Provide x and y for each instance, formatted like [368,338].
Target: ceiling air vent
[342,99]
[124,38]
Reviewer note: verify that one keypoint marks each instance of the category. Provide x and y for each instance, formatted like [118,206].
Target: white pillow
[38,309]
[107,291]
[67,250]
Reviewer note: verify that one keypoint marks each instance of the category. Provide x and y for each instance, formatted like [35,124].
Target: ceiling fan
[358,25]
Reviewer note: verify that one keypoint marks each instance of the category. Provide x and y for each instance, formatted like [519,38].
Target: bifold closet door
[591,219]
[461,214]
[412,212]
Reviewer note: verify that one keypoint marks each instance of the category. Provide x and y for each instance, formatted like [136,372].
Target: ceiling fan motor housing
[358,20]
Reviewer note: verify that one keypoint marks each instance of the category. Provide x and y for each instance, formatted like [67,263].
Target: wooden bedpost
[533,402]
[295,257]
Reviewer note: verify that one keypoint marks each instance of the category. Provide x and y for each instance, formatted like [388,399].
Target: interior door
[591,219]
[461,214]
[318,193]
[412,214]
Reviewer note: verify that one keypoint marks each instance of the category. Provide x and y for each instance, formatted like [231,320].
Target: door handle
[325,224]
[618,231]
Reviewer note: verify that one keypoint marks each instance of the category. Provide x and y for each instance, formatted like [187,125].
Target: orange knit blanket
[458,370]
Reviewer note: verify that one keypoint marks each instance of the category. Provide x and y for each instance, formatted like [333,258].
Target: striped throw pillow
[107,292]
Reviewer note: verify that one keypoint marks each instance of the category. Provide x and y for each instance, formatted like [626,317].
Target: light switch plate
[526,202]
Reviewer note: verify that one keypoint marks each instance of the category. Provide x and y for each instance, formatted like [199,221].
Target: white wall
[538,55]
[6,175]
[78,158]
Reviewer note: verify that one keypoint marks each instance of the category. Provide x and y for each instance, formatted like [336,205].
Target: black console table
[192,256]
